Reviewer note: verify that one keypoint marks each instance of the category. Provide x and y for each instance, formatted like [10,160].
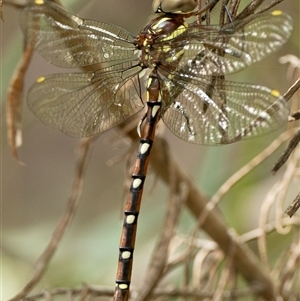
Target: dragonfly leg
[180,109]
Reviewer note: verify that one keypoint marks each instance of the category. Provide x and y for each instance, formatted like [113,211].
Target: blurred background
[35,195]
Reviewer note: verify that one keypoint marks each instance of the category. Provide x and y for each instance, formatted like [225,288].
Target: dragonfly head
[174,6]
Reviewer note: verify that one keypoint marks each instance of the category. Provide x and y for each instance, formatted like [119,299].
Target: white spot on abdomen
[130,219]
[136,183]
[144,147]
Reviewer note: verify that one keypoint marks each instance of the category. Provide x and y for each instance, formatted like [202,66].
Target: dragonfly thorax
[155,41]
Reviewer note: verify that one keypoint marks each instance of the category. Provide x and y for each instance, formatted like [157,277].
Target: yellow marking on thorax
[177,32]
[166,48]
[175,57]
[39,2]
[149,81]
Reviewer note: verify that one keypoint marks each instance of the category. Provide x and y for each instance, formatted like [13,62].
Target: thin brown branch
[293,70]
[14,102]
[287,152]
[1,12]
[295,115]
[292,90]
[292,209]
[289,270]
[268,228]
[225,276]
[249,9]
[94,291]
[205,266]
[233,8]
[275,198]
[199,295]
[89,290]
[271,5]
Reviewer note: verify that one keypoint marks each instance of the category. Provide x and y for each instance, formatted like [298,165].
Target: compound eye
[174,6]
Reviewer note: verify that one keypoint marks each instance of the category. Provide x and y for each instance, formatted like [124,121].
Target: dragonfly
[183,63]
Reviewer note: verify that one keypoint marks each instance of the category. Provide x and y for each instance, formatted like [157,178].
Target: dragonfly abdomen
[133,203]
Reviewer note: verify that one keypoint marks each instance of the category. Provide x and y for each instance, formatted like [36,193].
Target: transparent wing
[219,51]
[66,40]
[222,112]
[85,104]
